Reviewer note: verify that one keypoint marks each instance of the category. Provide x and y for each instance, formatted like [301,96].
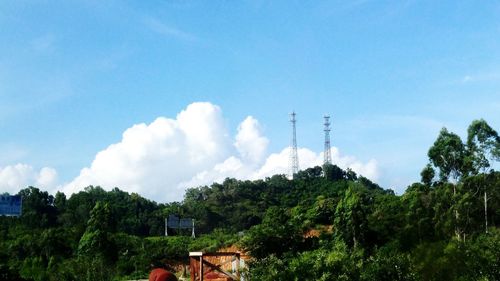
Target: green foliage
[388,263]
[96,241]
[351,215]
[447,154]
[418,215]
[326,224]
[323,210]
[332,262]
[276,235]
[38,210]
[440,261]
[483,145]
[428,175]
[386,219]
[333,172]
[483,256]
[269,268]
[213,241]
[170,247]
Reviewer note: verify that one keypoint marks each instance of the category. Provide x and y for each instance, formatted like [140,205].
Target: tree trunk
[457,229]
[354,240]
[486,211]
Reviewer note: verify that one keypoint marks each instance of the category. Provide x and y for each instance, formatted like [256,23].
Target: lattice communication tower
[327,153]
[294,157]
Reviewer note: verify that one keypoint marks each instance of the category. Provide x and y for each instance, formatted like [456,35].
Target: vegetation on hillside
[442,228]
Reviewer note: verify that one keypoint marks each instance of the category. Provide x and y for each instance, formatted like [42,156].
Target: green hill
[444,228]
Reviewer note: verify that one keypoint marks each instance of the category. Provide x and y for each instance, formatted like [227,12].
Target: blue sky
[74,75]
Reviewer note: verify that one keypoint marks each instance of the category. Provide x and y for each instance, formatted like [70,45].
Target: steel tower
[294,158]
[327,153]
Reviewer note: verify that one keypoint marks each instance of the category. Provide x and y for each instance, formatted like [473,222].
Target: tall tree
[448,154]
[427,175]
[351,215]
[483,145]
[96,241]
[417,201]
[38,208]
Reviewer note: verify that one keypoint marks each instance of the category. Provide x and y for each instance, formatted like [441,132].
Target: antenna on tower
[327,153]
[294,158]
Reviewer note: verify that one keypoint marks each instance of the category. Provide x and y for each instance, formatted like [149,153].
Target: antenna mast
[294,158]
[327,152]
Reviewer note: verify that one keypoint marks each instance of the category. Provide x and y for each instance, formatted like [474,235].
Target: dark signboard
[174,221]
[10,205]
[186,223]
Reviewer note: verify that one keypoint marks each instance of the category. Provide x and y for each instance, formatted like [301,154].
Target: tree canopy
[326,224]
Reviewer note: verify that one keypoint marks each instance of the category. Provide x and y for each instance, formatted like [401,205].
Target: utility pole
[327,153]
[294,158]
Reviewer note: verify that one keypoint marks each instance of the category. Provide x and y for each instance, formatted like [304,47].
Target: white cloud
[162,159]
[153,159]
[232,167]
[277,163]
[16,177]
[169,31]
[467,78]
[251,147]
[46,178]
[250,143]
[482,77]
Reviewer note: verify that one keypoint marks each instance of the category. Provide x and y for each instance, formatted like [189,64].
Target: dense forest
[325,224]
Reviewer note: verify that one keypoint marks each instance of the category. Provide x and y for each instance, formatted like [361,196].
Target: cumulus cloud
[250,142]
[251,146]
[160,160]
[152,159]
[277,163]
[16,177]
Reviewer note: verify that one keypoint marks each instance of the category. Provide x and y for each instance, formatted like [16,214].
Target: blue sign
[175,222]
[10,205]
[186,223]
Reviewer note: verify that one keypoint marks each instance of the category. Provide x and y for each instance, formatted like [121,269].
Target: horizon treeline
[325,224]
